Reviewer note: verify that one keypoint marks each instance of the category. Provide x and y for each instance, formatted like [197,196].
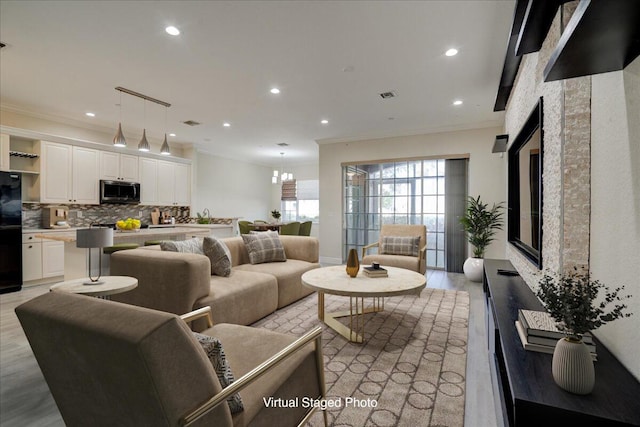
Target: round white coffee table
[112,285]
[335,281]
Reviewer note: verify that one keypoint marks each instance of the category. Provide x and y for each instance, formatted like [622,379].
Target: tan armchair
[416,263]
[108,364]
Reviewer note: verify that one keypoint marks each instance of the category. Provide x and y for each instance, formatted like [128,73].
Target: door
[148,181]
[166,183]
[109,165]
[182,185]
[56,173]
[85,176]
[10,232]
[4,152]
[52,259]
[129,168]
[32,261]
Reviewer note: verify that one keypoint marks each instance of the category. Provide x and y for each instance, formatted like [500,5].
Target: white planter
[473,268]
[572,367]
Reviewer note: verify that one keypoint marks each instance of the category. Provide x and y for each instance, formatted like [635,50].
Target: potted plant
[275,214]
[480,223]
[571,300]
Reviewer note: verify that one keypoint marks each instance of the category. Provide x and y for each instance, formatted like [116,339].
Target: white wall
[487,174]
[231,188]
[615,201]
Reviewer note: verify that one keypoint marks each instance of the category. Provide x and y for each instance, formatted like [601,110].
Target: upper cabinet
[119,167]
[165,183]
[148,181]
[69,174]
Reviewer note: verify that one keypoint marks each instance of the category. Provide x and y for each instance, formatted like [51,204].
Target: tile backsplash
[85,215]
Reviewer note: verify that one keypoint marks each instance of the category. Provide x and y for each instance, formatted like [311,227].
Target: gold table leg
[355,331]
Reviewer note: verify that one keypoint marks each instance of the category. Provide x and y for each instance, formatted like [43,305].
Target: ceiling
[331,60]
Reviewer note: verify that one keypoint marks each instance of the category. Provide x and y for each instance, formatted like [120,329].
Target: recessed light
[324,122]
[172,30]
[225,124]
[457,102]
[172,134]
[451,52]
[275,90]
[90,114]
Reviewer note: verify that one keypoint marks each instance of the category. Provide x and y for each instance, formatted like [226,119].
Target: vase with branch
[579,305]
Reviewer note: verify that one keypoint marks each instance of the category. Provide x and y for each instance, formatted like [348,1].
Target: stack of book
[375,272]
[538,332]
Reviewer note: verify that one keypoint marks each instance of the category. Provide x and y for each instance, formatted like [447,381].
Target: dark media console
[522,381]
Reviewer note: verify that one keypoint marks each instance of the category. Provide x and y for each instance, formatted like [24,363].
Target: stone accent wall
[566,157]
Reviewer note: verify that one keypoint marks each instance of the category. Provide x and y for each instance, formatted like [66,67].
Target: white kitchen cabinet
[118,167]
[148,181]
[174,184]
[182,185]
[69,174]
[52,258]
[4,152]
[31,261]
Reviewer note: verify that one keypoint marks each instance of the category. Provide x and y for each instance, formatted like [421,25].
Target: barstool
[152,242]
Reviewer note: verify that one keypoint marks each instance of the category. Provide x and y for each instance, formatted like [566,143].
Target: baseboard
[324,260]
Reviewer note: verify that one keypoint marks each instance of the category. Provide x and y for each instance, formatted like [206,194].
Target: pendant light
[143,145]
[118,140]
[165,150]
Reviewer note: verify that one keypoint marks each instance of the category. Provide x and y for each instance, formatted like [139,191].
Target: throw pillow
[213,348]
[190,246]
[219,256]
[396,245]
[264,247]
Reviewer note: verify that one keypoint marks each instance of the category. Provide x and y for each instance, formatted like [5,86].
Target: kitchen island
[76,260]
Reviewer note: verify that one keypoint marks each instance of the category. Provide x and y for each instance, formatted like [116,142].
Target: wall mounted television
[525,196]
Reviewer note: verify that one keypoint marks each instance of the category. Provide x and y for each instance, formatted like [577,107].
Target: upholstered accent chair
[305,228]
[290,229]
[113,364]
[397,249]
[245,227]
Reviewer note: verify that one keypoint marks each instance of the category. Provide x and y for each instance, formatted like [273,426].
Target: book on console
[541,325]
[549,349]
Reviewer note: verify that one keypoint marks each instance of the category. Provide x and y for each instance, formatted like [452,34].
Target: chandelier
[284,176]
[120,141]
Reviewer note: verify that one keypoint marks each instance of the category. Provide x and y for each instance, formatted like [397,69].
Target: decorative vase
[473,268]
[572,366]
[353,264]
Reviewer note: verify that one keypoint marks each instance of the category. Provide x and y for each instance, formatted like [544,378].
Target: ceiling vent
[387,95]
[283,144]
[191,123]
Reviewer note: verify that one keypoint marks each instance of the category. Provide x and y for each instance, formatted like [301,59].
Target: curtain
[455,205]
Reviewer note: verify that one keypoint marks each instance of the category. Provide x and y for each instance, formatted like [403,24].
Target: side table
[112,285]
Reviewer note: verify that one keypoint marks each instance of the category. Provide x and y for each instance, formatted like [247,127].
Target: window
[306,206]
[404,192]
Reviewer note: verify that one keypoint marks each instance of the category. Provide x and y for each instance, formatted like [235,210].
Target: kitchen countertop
[69,235]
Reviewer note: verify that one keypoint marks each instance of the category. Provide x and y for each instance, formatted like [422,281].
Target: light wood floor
[25,399]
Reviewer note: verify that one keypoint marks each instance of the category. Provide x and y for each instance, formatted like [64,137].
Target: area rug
[410,371]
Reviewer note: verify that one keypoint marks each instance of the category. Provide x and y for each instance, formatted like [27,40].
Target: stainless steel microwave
[119,192]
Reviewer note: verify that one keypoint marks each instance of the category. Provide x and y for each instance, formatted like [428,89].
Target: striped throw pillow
[396,245]
[264,246]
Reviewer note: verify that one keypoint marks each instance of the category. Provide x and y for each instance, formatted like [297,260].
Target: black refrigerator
[10,232]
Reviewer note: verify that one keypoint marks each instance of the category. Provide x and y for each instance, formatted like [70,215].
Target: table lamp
[94,237]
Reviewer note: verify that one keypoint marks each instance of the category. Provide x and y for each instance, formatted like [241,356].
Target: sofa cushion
[219,256]
[264,247]
[242,298]
[190,246]
[408,262]
[400,245]
[288,274]
[213,348]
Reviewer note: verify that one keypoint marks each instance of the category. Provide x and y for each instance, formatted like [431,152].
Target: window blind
[289,190]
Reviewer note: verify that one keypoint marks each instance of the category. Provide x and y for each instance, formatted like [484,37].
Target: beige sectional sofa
[180,282]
